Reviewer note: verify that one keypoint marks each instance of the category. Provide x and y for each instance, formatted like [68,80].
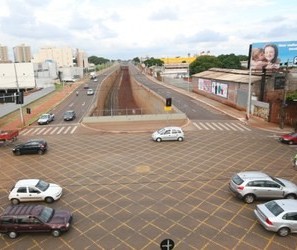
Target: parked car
[33,219]
[34,146]
[90,92]
[34,190]
[251,185]
[278,216]
[290,138]
[69,115]
[8,135]
[46,118]
[168,134]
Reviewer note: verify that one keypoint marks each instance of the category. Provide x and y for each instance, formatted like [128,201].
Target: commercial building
[3,54]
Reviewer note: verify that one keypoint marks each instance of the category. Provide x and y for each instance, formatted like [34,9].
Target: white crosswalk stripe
[49,130]
[221,126]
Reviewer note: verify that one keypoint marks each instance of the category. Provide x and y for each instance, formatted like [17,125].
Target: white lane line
[67,129]
[73,130]
[60,130]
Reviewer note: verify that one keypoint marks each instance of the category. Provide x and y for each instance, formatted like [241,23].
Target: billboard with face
[273,55]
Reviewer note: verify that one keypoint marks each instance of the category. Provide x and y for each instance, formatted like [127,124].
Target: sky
[125,29]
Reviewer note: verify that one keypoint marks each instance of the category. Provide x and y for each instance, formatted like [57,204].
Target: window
[271,184]
[256,184]
[22,190]
[6,220]
[290,216]
[33,190]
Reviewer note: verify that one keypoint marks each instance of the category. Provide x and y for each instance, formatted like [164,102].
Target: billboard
[273,55]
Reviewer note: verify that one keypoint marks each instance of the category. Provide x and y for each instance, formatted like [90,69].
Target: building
[81,59]
[178,60]
[22,54]
[3,54]
[62,56]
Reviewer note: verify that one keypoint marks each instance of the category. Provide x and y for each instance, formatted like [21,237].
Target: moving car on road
[278,216]
[168,134]
[290,138]
[34,146]
[69,115]
[34,219]
[251,185]
[46,118]
[34,190]
[90,92]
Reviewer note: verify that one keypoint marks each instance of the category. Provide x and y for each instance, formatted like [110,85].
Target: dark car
[36,146]
[290,138]
[33,219]
[69,115]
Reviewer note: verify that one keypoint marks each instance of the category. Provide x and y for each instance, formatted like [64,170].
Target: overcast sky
[125,29]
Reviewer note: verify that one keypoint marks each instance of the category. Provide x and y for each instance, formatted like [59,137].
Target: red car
[290,138]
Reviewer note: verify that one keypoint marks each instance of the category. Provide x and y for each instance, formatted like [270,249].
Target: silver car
[278,216]
[251,185]
[168,134]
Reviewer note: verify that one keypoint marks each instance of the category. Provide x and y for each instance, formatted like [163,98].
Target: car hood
[288,137]
[54,188]
[61,217]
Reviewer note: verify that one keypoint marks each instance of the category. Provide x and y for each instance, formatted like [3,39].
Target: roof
[23,210]
[228,75]
[252,174]
[27,182]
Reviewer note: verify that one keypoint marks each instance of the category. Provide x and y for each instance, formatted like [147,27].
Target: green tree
[153,62]
[97,60]
[230,61]
[136,60]
[203,63]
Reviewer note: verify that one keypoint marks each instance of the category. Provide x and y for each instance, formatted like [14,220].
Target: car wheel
[15,201]
[40,152]
[291,142]
[180,139]
[249,198]
[290,196]
[158,139]
[12,235]
[49,199]
[18,152]
[284,231]
[56,233]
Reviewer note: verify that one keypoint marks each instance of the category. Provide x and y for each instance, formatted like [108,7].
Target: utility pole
[284,104]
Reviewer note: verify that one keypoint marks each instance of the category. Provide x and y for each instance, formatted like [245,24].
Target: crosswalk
[221,126]
[50,130]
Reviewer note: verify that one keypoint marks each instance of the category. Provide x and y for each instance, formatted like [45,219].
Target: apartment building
[81,59]
[4,54]
[22,53]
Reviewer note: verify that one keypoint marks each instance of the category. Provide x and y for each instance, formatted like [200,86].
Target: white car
[168,134]
[90,92]
[34,190]
[46,119]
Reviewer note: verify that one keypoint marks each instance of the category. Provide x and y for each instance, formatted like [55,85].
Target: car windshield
[161,131]
[274,208]
[278,181]
[68,113]
[43,116]
[46,214]
[42,185]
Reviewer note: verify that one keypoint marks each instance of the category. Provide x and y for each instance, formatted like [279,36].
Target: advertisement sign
[273,55]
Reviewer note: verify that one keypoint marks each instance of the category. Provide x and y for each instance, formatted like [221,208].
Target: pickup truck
[8,135]
[46,118]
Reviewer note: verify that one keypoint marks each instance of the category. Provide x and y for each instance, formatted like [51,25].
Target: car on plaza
[290,138]
[90,92]
[86,86]
[69,115]
[252,185]
[46,118]
[33,146]
[34,190]
[18,219]
[278,216]
[168,134]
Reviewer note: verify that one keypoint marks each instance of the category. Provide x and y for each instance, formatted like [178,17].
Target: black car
[37,146]
[69,115]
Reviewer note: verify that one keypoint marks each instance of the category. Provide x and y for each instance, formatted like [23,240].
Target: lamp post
[18,89]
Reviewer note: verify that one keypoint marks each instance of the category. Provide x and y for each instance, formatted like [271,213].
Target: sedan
[90,92]
[278,216]
[69,115]
[34,190]
[35,146]
[290,138]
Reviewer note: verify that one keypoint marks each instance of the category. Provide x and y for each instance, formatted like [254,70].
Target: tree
[97,60]
[136,60]
[203,63]
[153,62]
[230,61]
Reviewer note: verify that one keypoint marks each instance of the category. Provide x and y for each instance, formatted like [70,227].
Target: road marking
[54,130]
[221,126]
[48,130]
[73,130]
[65,132]
[60,130]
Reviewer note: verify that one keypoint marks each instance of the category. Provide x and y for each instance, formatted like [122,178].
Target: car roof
[253,175]
[23,210]
[172,127]
[287,204]
[27,182]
